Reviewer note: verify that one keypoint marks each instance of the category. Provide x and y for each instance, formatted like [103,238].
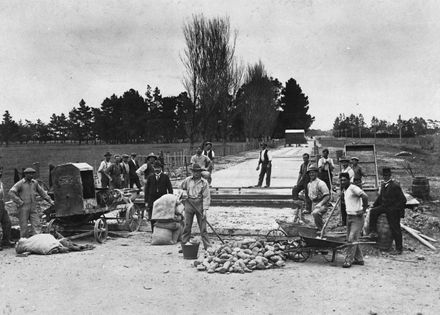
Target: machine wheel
[100,230]
[133,218]
[276,235]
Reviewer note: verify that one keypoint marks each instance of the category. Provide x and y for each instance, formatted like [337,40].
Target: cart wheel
[133,218]
[100,230]
[276,235]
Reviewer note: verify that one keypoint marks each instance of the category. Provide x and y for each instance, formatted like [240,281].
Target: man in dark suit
[390,201]
[133,166]
[157,185]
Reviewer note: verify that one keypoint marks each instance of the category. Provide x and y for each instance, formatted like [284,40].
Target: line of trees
[355,126]
[223,101]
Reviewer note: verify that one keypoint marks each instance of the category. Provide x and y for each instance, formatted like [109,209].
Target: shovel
[330,215]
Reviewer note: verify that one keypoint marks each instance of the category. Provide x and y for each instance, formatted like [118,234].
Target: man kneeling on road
[356,203]
[197,198]
[319,195]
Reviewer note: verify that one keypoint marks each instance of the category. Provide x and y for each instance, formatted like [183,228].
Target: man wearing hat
[23,193]
[303,180]
[357,170]
[390,201]
[209,152]
[265,160]
[134,166]
[197,198]
[146,169]
[115,173]
[319,195]
[345,168]
[203,161]
[157,185]
[326,167]
[5,221]
[105,164]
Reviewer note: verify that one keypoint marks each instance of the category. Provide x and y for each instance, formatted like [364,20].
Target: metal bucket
[190,251]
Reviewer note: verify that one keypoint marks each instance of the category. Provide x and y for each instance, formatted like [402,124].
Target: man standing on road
[157,185]
[356,202]
[265,159]
[197,198]
[4,218]
[23,193]
[301,184]
[203,161]
[345,168]
[105,164]
[209,152]
[326,167]
[134,165]
[319,195]
[358,173]
[390,201]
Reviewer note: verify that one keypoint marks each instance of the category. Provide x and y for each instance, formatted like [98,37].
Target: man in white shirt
[205,162]
[105,164]
[356,201]
[319,195]
[125,171]
[265,160]
[326,167]
[345,168]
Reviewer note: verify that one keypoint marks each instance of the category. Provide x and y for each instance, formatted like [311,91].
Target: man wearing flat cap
[326,167]
[115,173]
[105,164]
[197,198]
[134,166]
[319,194]
[345,168]
[390,201]
[358,172]
[23,194]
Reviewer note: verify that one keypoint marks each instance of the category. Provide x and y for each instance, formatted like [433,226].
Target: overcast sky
[382,55]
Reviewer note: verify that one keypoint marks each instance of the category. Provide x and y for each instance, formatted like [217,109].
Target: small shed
[295,136]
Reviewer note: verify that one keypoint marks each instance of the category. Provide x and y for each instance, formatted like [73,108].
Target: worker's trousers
[393,217]
[195,207]
[318,214]
[266,169]
[355,224]
[28,213]
[5,222]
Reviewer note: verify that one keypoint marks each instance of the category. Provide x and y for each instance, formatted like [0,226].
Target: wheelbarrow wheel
[100,230]
[276,235]
[296,252]
[133,218]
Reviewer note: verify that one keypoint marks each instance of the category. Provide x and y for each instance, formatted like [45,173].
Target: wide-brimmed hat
[107,154]
[312,168]
[125,156]
[196,168]
[133,154]
[152,155]
[208,142]
[355,158]
[29,170]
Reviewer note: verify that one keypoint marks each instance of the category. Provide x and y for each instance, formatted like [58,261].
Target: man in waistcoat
[265,160]
[134,165]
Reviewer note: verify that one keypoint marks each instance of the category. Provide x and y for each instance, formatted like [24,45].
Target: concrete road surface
[285,167]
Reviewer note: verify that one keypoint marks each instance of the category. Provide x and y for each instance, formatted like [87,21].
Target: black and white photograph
[220,157]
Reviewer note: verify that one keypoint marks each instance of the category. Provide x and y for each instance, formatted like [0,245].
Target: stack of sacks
[168,229]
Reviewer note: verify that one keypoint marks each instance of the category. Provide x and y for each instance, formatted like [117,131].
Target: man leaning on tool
[23,193]
[390,201]
[356,203]
[319,195]
[301,184]
[197,199]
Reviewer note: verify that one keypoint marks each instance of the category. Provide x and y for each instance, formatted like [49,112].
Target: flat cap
[29,170]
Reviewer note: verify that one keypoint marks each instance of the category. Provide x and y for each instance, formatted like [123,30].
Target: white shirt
[317,189]
[350,172]
[269,156]
[353,200]
[102,167]
[321,163]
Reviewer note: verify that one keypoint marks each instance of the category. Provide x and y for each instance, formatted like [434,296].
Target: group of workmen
[316,180]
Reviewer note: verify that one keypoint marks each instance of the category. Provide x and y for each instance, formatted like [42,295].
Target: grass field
[22,156]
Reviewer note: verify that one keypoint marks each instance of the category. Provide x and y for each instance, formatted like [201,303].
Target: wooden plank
[416,236]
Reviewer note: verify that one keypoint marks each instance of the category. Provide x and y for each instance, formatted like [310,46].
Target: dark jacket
[155,189]
[133,167]
[391,197]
